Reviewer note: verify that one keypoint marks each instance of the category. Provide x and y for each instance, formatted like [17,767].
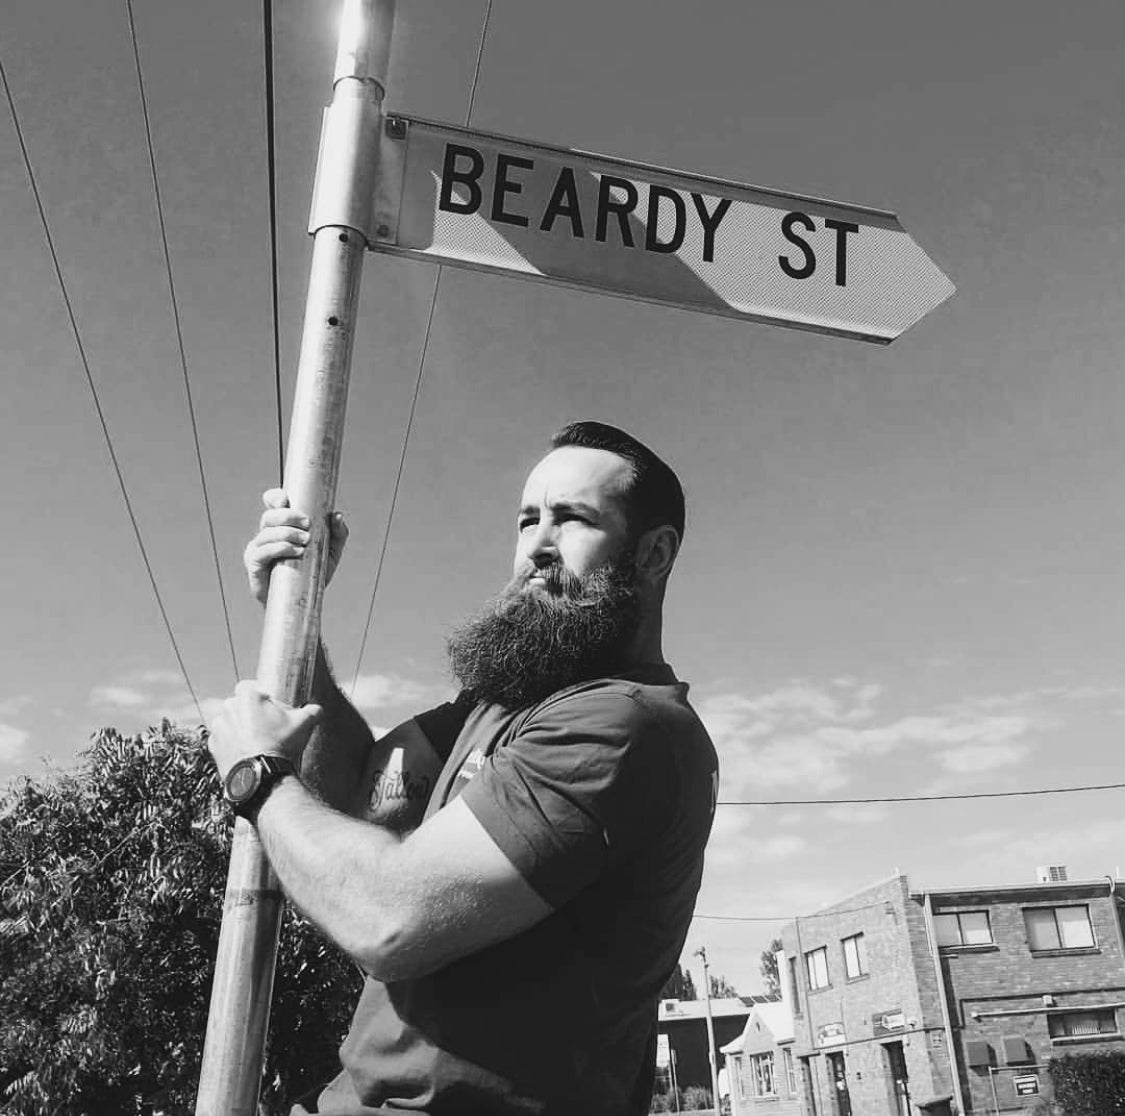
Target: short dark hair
[655,495]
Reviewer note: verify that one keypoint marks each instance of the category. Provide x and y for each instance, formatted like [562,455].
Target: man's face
[573,513]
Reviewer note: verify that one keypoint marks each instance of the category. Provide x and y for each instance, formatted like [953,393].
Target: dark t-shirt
[602,797]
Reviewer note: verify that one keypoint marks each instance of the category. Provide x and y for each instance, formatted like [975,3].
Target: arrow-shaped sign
[477,200]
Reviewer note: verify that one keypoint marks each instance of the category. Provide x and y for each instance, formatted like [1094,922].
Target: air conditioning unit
[1050,873]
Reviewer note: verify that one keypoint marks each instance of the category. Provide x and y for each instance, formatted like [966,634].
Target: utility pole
[702,952]
[343,196]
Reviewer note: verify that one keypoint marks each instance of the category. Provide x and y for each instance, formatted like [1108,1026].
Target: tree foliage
[111,885]
[679,986]
[721,988]
[771,978]
[1089,1084]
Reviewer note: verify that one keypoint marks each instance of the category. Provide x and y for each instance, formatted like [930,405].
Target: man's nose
[542,550]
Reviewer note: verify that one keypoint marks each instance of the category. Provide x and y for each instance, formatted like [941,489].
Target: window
[793,986]
[855,956]
[739,1076]
[790,1071]
[1059,928]
[761,1076]
[1077,1024]
[816,962]
[966,928]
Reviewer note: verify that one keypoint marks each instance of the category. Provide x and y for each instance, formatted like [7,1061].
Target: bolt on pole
[234,1048]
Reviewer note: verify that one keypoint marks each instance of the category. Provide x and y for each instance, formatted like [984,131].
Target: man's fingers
[296,535]
[259,555]
[275,498]
[282,517]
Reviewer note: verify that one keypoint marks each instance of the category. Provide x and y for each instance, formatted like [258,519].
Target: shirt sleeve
[442,724]
[586,779]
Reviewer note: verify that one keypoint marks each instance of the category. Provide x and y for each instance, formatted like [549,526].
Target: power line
[180,336]
[94,390]
[418,381]
[267,42]
[916,797]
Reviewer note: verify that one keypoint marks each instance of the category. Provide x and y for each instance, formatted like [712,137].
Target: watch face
[242,780]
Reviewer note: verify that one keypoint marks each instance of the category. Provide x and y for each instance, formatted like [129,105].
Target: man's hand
[283,532]
[252,723]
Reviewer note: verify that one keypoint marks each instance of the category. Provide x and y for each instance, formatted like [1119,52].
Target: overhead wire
[93,389]
[916,797]
[418,381]
[180,336]
[271,172]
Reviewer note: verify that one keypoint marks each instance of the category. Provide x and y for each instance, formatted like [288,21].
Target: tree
[111,886]
[771,978]
[721,988]
[679,986]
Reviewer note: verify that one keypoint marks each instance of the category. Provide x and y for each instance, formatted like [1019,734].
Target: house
[901,995]
[761,1068]
[683,1023]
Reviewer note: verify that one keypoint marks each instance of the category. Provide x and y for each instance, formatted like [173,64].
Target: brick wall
[1006,976]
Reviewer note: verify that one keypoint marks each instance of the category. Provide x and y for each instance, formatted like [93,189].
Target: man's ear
[656,553]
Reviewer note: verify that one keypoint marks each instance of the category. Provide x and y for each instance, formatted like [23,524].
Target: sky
[901,571]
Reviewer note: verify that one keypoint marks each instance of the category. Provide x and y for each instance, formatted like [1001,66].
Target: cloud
[117,697]
[9,707]
[382,691]
[819,737]
[12,741]
[982,757]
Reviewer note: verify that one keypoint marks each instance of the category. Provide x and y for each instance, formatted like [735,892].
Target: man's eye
[525,523]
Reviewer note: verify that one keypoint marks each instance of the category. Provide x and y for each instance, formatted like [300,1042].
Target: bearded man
[515,870]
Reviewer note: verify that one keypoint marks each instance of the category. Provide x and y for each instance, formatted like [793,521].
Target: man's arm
[401,907]
[343,764]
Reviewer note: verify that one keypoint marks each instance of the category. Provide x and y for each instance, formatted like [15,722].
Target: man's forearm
[337,752]
[332,867]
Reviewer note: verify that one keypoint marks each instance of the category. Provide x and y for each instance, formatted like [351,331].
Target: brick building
[902,995]
[869,1036]
[1028,972]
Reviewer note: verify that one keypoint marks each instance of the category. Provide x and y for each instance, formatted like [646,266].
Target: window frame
[1054,1017]
[758,1064]
[790,1070]
[862,967]
[1053,909]
[809,954]
[961,943]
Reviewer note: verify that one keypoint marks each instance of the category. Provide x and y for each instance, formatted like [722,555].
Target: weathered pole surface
[240,997]
[711,1054]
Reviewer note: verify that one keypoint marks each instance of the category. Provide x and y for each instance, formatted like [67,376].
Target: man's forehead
[578,473]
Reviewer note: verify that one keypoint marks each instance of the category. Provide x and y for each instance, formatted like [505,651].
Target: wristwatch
[250,780]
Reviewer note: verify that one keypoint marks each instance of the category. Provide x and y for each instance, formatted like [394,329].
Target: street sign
[477,200]
[1027,1085]
[663,1052]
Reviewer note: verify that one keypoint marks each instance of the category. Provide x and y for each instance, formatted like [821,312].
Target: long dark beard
[528,643]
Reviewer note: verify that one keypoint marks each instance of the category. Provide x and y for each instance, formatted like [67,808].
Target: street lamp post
[702,953]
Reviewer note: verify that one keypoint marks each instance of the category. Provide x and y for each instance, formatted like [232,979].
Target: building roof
[671,1010]
[1101,885]
[774,1016]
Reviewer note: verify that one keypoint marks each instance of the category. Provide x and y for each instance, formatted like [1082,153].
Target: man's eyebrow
[564,506]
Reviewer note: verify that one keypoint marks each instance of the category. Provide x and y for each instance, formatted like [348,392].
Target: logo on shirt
[474,761]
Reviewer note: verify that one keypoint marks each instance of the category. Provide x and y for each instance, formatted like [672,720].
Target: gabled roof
[775,1018]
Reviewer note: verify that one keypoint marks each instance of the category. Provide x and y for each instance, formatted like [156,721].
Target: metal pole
[701,952]
[240,996]
[947,1023]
